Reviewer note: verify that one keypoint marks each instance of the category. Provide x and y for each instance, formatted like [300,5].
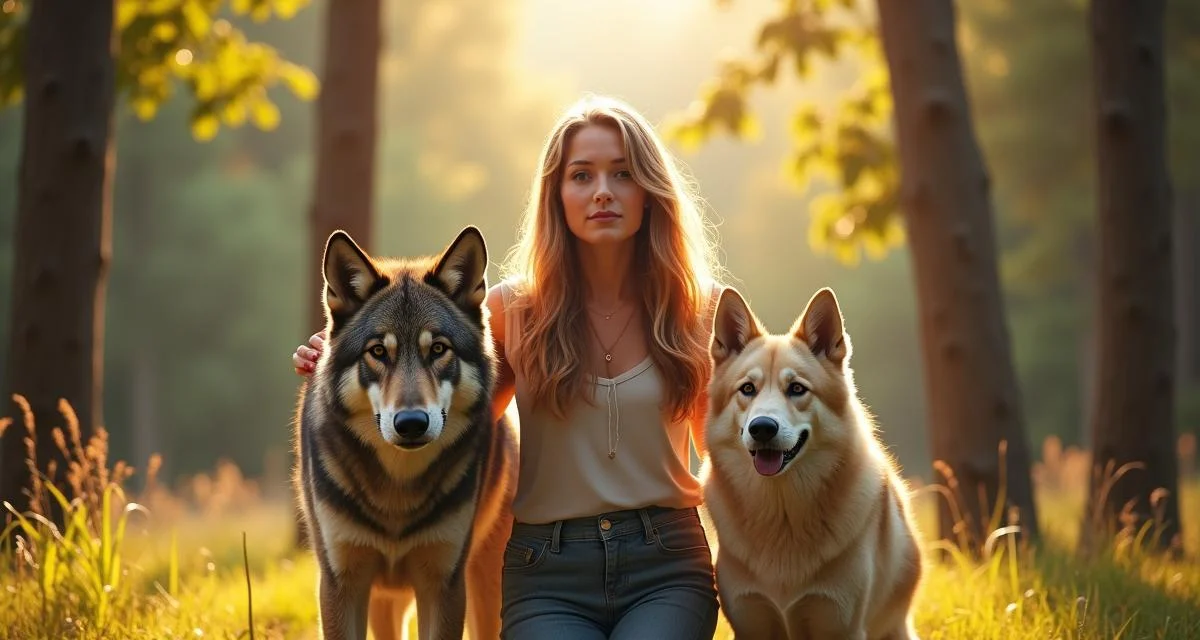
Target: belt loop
[556,537]
[649,528]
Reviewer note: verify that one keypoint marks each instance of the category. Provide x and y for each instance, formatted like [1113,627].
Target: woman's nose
[602,193]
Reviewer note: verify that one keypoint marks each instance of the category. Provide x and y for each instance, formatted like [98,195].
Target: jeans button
[605,525]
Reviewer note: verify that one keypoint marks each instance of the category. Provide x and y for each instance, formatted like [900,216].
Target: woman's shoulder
[507,291]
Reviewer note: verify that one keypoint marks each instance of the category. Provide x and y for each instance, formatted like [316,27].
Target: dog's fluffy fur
[404,480]
[812,519]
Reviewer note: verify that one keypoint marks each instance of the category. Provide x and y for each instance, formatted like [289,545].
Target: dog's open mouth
[769,462]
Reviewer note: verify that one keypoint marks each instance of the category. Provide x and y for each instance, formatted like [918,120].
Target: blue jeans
[643,573]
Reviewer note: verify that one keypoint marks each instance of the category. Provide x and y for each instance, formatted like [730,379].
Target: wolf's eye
[747,389]
[797,389]
[438,348]
[378,351]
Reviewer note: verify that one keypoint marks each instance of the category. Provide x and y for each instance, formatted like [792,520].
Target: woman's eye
[797,389]
[579,176]
[747,389]
[378,351]
[624,175]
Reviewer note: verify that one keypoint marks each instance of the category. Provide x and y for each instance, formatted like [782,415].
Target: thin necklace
[610,395]
[608,349]
[608,315]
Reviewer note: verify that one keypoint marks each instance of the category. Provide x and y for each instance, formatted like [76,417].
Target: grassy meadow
[213,558]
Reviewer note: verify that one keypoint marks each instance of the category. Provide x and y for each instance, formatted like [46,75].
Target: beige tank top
[565,469]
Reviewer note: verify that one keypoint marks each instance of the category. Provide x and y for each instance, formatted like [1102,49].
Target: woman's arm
[699,420]
[505,379]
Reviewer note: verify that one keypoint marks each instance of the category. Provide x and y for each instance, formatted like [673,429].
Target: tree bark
[971,387]
[1132,421]
[62,241]
[1187,283]
[347,127]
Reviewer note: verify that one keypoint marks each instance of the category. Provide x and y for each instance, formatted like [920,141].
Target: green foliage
[162,42]
[13,16]
[849,143]
[77,564]
[1015,592]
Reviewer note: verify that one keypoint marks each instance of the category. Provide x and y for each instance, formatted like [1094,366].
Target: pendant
[612,454]
[608,357]
[608,317]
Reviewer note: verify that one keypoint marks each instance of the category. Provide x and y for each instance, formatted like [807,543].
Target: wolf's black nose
[763,428]
[411,424]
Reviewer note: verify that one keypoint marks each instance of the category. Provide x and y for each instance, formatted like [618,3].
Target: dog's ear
[350,276]
[461,271]
[734,326]
[820,327]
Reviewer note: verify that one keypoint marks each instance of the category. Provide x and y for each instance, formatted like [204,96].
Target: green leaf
[261,13]
[144,108]
[197,18]
[265,114]
[301,81]
[286,9]
[205,127]
[164,31]
[234,113]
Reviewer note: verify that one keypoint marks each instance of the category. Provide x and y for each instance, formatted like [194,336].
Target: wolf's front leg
[442,608]
[343,606]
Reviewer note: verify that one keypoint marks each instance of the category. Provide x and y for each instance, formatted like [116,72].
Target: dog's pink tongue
[768,462]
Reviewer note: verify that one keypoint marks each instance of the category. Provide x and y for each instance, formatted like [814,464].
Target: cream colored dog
[812,519]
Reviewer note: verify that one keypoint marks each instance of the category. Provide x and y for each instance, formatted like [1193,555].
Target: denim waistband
[604,526]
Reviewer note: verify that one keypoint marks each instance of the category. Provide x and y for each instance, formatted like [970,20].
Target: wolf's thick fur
[812,520]
[404,479]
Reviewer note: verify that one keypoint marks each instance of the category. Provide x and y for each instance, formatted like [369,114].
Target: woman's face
[601,201]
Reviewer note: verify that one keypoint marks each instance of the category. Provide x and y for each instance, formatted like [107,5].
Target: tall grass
[87,559]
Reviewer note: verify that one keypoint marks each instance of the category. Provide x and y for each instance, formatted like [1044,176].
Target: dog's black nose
[763,428]
[411,424]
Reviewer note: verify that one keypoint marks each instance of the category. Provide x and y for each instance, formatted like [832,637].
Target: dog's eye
[747,389]
[438,348]
[797,389]
[378,351]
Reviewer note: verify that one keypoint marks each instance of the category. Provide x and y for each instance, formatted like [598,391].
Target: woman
[603,330]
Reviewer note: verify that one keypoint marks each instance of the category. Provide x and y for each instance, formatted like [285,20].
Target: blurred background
[212,272]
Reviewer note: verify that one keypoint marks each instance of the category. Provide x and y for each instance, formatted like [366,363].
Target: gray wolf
[814,538]
[405,480]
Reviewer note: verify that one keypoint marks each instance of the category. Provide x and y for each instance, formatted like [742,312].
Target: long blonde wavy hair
[675,258]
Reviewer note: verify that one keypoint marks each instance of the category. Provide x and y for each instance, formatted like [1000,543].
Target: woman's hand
[305,358]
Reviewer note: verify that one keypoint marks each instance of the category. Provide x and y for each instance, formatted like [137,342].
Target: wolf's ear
[734,326]
[461,271]
[820,327]
[350,275]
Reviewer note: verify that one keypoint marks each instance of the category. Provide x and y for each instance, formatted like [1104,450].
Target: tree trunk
[344,194]
[62,240]
[346,137]
[971,386]
[1187,283]
[1132,421]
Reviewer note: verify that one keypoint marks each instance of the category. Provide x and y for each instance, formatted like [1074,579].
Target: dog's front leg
[442,608]
[343,605]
